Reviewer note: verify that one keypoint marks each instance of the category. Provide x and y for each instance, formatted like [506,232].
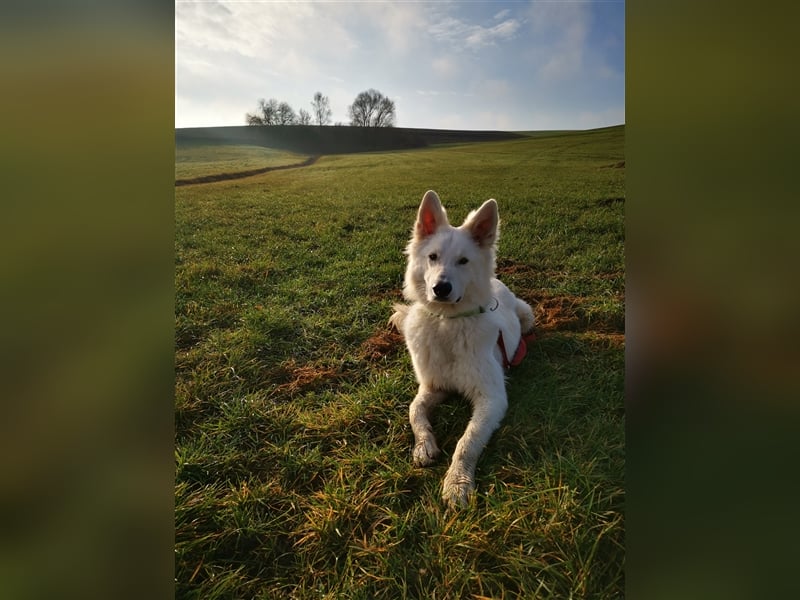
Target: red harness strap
[520,353]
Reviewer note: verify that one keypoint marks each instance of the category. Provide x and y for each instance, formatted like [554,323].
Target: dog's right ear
[430,217]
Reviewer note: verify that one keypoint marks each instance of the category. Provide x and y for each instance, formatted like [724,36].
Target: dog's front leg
[425,448]
[459,481]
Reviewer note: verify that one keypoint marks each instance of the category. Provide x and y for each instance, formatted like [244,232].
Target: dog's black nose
[442,290]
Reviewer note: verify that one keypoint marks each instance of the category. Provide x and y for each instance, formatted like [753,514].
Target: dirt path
[241,174]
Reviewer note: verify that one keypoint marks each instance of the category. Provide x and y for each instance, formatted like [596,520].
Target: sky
[514,66]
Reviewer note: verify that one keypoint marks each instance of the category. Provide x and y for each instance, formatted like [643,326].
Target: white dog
[460,328]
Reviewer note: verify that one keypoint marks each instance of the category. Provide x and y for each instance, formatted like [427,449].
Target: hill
[311,139]
[206,154]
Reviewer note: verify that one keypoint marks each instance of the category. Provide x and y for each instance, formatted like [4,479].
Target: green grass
[293,464]
[200,160]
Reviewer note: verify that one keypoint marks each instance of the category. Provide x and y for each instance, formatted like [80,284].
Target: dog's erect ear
[430,217]
[482,223]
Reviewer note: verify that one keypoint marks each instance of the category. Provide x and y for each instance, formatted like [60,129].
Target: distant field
[198,160]
[292,443]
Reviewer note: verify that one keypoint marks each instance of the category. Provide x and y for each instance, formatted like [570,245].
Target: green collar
[470,313]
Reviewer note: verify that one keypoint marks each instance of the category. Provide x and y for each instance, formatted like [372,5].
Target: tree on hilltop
[321,109]
[372,109]
[252,119]
[272,112]
[267,113]
[286,114]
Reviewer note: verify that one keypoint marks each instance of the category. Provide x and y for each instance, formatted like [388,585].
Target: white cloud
[482,36]
[443,67]
[286,37]
[448,29]
[562,32]
[401,24]
[464,35]
[230,54]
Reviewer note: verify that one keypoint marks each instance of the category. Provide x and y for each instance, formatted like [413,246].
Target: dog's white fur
[457,311]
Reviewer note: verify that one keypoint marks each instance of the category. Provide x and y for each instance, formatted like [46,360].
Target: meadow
[201,160]
[292,444]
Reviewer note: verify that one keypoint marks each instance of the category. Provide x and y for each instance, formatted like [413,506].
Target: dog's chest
[438,346]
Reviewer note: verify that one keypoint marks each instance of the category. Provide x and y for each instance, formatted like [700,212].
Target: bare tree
[272,112]
[321,107]
[372,109]
[252,119]
[285,114]
[269,111]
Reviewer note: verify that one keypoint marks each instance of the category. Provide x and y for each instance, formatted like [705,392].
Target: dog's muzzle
[442,290]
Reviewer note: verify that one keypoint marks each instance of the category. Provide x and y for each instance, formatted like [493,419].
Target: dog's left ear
[482,223]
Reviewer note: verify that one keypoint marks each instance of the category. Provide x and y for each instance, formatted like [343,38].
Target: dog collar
[470,313]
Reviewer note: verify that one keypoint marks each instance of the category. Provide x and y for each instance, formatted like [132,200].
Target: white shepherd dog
[460,328]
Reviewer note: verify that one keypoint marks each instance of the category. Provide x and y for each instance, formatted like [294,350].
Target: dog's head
[451,266]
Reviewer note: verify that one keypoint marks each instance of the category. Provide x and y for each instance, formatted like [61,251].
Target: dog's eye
[433,257]
[462,261]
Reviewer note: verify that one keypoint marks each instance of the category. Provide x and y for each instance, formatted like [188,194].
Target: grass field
[292,443]
[200,160]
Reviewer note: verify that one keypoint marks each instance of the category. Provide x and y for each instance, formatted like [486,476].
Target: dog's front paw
[425,452]
[457,489]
